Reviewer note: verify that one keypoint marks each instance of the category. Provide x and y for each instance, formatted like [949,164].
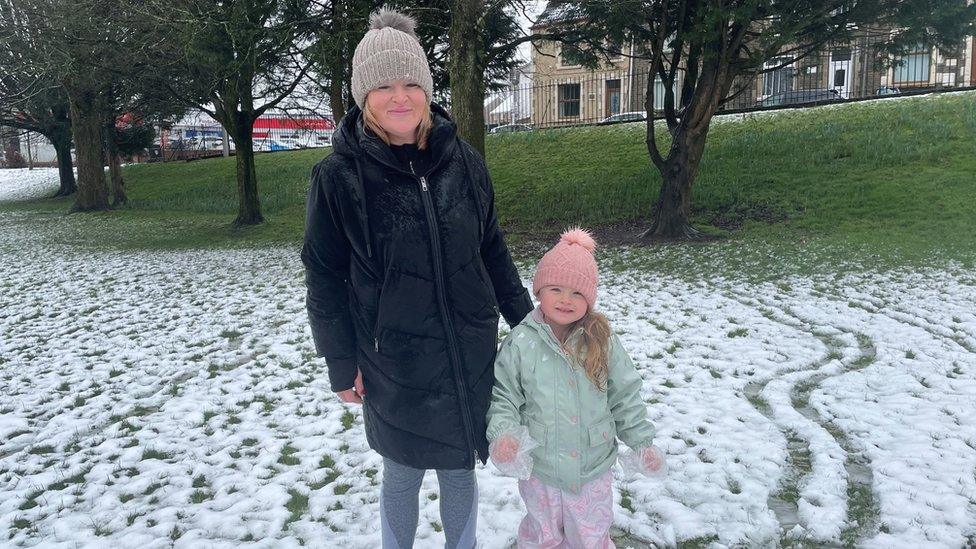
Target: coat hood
[350,138]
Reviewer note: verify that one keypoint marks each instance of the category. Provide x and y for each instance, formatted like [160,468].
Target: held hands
[510,453]
[505,449]
[356,394]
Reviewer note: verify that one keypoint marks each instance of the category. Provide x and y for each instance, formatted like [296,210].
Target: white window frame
[791,68]
[560,102]
[930,53]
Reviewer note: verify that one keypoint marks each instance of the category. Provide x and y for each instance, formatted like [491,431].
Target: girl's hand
[645,460]
[505,449]
[356,394]
[652,459]
[511,452]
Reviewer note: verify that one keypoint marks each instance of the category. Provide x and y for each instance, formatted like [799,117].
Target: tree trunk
[249,208]
[66,173]
[86,124]
[336,86]
[672,210]
[114,167]
[467,73]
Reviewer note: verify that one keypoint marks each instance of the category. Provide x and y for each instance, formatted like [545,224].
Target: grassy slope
[888,175]
[895,171]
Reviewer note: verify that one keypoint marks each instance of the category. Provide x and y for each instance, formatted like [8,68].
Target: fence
[559,95]
[201,137]
[570,96]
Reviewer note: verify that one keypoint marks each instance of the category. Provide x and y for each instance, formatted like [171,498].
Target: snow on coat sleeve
[507,397]
[513,299]
[626,405]
[326,255]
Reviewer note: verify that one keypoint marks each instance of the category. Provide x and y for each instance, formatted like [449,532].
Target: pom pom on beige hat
[389,51]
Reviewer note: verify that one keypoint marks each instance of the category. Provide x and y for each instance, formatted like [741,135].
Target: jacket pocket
[602,432]
[538,432]
[482,271]
[378,323]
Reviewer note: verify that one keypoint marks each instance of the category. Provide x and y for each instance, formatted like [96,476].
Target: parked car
[509,128]
[887,90]
[799,97]
[632,116]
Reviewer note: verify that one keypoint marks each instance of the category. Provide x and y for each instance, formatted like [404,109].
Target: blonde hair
[593,347]
[422,132]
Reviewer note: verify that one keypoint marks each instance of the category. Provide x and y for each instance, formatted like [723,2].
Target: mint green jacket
[576,425]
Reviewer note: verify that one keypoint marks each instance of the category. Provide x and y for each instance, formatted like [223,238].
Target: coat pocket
[602,432]
[538,432]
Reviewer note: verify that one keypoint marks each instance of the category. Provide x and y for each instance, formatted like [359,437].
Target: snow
[155,395]
[20,184]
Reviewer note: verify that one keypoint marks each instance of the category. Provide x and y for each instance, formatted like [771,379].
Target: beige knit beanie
[389,51]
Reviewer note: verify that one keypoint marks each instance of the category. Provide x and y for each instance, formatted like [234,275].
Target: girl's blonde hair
[423,129]
[593,347]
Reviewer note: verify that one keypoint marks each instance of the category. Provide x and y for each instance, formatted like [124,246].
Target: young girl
[563,376]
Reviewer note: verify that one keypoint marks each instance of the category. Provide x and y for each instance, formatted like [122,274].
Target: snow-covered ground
[24,184]
[157,399]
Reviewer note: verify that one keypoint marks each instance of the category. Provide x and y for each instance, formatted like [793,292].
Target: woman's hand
[356,394]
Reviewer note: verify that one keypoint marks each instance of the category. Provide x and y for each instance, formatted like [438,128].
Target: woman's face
[398,107]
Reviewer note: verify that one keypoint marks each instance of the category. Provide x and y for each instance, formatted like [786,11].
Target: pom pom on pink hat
[570,263]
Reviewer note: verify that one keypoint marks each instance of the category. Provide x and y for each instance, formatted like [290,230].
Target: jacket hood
[535,321]
[350,138]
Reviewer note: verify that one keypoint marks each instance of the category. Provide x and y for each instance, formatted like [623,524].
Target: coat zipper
[452,345]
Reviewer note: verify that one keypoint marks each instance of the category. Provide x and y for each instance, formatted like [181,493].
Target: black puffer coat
[406,277]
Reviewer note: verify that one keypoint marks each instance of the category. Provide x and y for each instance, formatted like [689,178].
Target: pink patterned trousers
[559,519]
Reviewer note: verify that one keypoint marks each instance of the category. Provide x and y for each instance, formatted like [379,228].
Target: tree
[482,39]
[30,96]
[87,61]
[80,49]
[717,43]
[236,59]
[335,43]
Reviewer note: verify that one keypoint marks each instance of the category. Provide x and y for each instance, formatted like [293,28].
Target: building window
[612,97]
[778,80]
[913,67]
[569,100]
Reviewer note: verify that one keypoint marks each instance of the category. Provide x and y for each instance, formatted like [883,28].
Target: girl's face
[561,306]
[398,107]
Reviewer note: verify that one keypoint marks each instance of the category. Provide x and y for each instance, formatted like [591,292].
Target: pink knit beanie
[569,263]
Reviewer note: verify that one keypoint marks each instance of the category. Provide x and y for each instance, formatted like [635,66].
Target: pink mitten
[646,460]
[652,460]
[504,449]
[511,452]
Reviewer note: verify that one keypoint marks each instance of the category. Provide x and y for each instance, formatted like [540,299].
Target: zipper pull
[376,344]
[423,180]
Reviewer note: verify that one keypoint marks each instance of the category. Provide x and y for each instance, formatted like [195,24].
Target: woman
[407,273]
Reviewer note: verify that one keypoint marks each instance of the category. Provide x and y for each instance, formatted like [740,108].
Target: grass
[78,478]
[152,453]
[297,506]
[287,455]
[889,179]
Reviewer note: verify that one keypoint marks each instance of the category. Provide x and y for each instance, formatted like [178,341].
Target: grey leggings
[399,507]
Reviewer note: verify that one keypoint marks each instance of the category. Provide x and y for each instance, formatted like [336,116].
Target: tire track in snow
[785,399]
[876,306]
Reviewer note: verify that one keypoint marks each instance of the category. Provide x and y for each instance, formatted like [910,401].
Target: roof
[556,11]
